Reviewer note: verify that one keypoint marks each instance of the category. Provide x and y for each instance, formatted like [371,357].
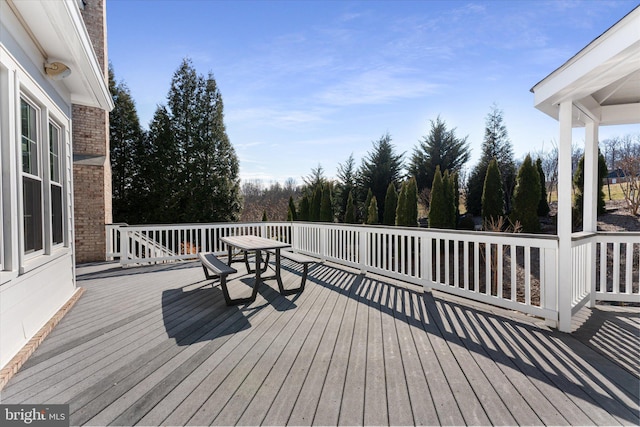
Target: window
[31,181]
[56,185]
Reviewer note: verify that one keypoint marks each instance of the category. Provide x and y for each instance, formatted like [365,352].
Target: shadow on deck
[157,345]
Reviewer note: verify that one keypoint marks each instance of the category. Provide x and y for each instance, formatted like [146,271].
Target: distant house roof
[59,32]
[602,80]
[616,173]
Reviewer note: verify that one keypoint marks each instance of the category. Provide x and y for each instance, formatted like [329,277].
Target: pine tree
[264,216]
[578,182]
[440,148]
[326,209]
[411,203]
[496,144]
[372,212]
[543,205]
[526,197]
[492,197]
[390,205]
[316,204]
[438,208]
[401,208]
[449,198]
[292,214]
[304,209]
[346,185]
[456,197]
[350,211]
[206,182]
[380,168]
[367,202]
[127,155]
[161,171]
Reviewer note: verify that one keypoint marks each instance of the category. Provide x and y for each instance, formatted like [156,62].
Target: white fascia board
[607,59]
[624,114]
[60,31]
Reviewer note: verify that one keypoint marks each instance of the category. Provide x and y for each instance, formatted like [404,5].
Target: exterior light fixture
[56,70]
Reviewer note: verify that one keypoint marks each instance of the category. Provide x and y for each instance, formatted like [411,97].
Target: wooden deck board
[330,401]
[157,345]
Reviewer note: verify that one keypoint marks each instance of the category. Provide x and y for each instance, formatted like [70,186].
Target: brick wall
[92,175]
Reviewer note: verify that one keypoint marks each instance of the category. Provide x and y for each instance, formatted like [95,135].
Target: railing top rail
[619,233]
[202,224]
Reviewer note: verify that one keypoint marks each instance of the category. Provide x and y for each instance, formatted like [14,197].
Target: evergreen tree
[304,208]
[543,206]
[315,179]
[492,197]
[127,154]
[264,216]
[367,202]
[390,205]
[346,185]
[526,197]
[401,208]
[380,168]
[372,212]
[411,203]
[456,197]
[316,204]
[326,209]
[438,207]
[449,197]
[496,144]
[292,215]
[350,211]
[161,171]
[440,148]
[578,182]
[206,185]
[407,212]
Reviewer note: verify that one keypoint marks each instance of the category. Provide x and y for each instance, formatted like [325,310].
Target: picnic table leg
[258,264]
[278,271]
[303,280]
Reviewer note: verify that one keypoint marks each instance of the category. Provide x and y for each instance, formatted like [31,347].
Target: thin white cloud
[377,86]
[276,117]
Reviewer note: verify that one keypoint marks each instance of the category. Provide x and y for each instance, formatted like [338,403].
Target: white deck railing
[618,266]
[514,271]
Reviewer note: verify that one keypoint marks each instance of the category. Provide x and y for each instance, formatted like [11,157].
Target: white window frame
[60,182]
[17,84]
[24,97]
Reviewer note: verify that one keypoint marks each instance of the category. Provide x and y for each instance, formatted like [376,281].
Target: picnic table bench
[213,268]
[302,259]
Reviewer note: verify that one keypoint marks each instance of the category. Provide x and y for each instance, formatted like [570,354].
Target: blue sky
[307,83]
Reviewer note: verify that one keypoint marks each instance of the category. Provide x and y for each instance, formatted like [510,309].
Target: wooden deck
[157,346]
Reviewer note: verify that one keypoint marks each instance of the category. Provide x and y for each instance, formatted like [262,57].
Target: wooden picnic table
[256,244]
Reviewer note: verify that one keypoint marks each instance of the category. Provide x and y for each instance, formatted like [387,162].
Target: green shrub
[326,208]
[492,194]
[304,209]
[543,206]
[390,205]
[350,212]
[438,209]
[372,211]
[526,197]
[292,215]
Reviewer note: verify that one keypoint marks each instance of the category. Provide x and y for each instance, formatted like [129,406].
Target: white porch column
[590,207]
[564,217]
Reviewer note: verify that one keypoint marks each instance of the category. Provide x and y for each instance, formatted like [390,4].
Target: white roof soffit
[59,29]
[602,80]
